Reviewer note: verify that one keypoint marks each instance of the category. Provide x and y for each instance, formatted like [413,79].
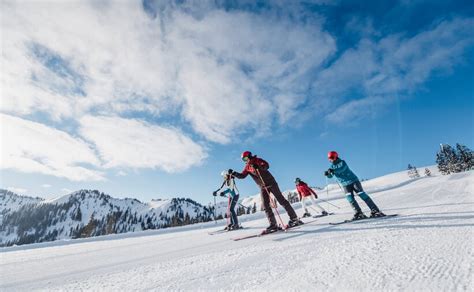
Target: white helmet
[225,173]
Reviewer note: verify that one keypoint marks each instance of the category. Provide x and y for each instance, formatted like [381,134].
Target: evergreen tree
[427,172]
[447,159]
[409,170]
[412,171]
[465,157]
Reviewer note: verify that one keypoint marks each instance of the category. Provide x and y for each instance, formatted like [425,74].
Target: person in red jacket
[257,168]
[305,193]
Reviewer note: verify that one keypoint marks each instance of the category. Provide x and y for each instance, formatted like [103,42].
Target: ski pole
[271,203]
[228,211]
[329,203]
[215,219]
[327,189]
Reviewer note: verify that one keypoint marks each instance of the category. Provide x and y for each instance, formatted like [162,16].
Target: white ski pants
[313,203]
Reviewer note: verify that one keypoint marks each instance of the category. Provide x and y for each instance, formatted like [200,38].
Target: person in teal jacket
[351,184]
[233,196]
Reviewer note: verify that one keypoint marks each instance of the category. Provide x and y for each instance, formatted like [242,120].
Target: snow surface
[429,247]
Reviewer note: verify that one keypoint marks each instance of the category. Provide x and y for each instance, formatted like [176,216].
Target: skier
[258,170]
[231,189]
[351,185]
[305,193]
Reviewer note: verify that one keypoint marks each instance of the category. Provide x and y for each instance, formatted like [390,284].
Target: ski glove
[214,194]
[328,172]
[222,194]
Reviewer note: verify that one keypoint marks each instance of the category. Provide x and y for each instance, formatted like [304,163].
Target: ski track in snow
[428,247]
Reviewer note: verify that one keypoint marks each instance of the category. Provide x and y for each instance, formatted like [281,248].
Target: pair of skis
[280,230]
[298,226]
[224,231]
[363,219]
[263,233]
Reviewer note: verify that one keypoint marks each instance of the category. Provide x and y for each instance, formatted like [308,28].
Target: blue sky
[154,99]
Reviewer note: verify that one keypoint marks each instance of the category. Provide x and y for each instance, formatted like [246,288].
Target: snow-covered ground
[429,247]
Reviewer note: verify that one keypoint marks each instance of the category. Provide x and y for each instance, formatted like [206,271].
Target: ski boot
[295,222]
[306,214]
[271,229]
[236,226]
[376,213]
[228,227]
[324,213]
[358,216]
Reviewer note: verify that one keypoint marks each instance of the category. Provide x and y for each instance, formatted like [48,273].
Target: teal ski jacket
[342,172]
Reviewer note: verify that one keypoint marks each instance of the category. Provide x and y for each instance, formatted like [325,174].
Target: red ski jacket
[304,190]
[263,166]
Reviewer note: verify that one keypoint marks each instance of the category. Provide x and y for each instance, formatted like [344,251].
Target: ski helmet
[297,180]
[246,155]
[333,155]
[225,173]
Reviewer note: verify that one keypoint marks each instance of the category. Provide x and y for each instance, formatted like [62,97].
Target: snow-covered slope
[11,202]
[428,247]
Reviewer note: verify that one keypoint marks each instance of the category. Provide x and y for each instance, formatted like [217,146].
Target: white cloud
[394,66]
[16,190]
[137,144]
[46,186]
[357,109]
[219,73]
[121,173]
[35,148]
[212,70]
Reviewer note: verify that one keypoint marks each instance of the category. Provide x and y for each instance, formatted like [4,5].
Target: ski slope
[429,247]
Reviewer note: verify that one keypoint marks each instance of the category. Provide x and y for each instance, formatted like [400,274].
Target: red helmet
[332,155]
[246,155]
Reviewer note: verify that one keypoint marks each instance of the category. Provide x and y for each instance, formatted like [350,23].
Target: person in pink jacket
[305,194]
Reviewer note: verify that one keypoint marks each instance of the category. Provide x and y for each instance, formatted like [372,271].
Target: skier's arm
[224,192]
[240,175]
[340,167]
[298,192]
[220,188]
[336,168]
[329,173]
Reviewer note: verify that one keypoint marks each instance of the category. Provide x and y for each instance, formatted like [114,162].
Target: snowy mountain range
[87,213]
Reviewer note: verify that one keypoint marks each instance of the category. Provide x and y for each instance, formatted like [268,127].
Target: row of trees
[454,159]
[413,171]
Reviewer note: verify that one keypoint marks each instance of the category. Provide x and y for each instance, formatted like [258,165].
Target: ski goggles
[245,158]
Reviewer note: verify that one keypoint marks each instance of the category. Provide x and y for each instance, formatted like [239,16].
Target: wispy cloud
[46,186]
[377,72]
[35,148]
[137,144]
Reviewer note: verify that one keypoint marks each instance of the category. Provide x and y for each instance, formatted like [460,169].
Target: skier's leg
[303,204]
[314,203]
[350,198]
[233,217]
[275,190]
[363,195]
[265,196]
